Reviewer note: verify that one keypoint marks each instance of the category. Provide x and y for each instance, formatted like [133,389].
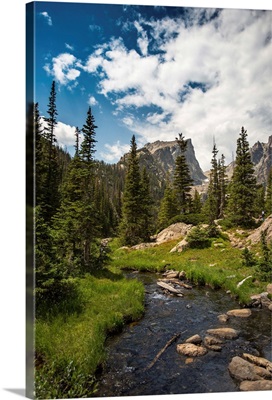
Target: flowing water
[131,352]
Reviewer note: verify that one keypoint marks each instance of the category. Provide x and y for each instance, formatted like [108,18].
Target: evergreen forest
[86,210]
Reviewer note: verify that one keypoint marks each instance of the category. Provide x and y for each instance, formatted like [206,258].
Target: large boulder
[243,370]
[252,386]
[173,232]
[266,226]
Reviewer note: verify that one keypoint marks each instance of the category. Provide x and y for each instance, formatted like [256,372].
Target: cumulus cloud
[206,76]
[47,17]
[92,101]
[115,151]
[63,68]
[65,134]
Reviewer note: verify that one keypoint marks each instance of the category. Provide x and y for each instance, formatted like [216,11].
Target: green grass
[69,350]
[219,266]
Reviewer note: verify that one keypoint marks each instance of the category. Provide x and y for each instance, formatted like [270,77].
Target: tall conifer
[182,179]
[268,195]
[243,185]
[51,189]
[130,228]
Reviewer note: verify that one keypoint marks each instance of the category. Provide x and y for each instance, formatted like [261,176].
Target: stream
[131,352]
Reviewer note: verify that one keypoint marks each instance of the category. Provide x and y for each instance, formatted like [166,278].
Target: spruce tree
[222,177]
[146,206]
[168,207]
[268,195]
[130,227]
[213,189]
[182,179]
[51,188]
[89,220]
[196,207]
[40,166]
[67,222]
[243,185]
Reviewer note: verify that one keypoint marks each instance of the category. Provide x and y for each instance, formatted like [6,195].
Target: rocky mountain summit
[261,155]
[159,158]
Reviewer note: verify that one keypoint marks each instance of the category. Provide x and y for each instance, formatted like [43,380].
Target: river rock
[260,361]
[223,318]
[191,350]
[242,313]
[261,300]
[213,343]
[243,370]
[224,333]
[171,274]
[196,339]
[262,384]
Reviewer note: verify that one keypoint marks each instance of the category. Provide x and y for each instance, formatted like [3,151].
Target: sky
[155,71]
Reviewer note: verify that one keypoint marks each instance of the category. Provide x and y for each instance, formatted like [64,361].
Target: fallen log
[170,288]
[172,340]
[177,282]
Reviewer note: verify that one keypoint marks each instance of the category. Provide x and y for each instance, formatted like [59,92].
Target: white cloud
[92,101]
[142,40]
[115,151]
[65,134]
[207,80]
[47,17]
[63,68]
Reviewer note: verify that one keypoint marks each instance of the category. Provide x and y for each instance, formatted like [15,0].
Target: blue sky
[155,71]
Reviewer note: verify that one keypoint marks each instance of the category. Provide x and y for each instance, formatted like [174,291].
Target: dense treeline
[79,201]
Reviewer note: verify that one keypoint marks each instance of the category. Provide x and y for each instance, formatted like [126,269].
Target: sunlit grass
[219,266]
[80,339]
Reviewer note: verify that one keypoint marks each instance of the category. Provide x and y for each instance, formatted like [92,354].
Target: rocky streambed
[190,340]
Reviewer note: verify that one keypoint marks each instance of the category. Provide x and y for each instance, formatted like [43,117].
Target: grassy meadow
[70,346]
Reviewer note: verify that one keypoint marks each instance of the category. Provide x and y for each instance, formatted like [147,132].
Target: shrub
[248,259]
[193,219]
[198,238]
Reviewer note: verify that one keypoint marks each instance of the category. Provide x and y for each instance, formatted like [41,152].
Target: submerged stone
[191,350]
[242,313]
[224,333]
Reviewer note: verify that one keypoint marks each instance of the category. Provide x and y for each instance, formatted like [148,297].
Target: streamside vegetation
[80,292]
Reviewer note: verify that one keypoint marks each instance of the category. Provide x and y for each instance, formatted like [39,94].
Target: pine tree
[243,185]
[67,222]
[168,207]
[196,207]
[51,193]
[213,189]
[89,220]
[182,179]
[130,228]
[268,195]
[146,206]
[222,176]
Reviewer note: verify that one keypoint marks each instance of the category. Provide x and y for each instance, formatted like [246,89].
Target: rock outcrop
[253,373]
[173,232]
[266,227]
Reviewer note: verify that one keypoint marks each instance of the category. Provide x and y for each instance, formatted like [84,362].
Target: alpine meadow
[149,196]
